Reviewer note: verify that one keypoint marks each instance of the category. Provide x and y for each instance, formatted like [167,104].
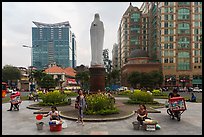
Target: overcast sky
[17,26]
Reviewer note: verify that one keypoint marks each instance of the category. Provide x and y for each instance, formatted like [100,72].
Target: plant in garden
[157,92]
[53,98]
[138,97]
[100,104]
[125,92]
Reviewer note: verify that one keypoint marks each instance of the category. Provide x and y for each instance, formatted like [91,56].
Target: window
[196,38]
[166,24]
[196,45]
[166,3]
[135,17]
[166,17]
[195,3]
[196,10]
[183,14]
[166,60]
[183,61]
[171,60]
[165,31]
[196,52]
[196,24]
[196,60]
[183,3]
[171,38]
[184,42]
[196,31]
[196,16]
[183,28]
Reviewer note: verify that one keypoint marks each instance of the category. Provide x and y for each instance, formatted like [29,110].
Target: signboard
[151,127]
[71,81]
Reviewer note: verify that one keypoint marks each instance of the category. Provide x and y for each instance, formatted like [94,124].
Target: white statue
[97,37]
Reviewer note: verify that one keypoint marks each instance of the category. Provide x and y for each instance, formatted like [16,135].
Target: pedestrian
[15,100]
[193,98]
[54,114]
[80,104]
[141,114]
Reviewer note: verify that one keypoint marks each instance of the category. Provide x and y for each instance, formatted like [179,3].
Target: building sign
[71,81]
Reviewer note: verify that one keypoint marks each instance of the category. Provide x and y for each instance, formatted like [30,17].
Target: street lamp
[31,86]
[26,46]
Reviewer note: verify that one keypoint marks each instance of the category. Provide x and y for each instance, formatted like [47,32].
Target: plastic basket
[55,127]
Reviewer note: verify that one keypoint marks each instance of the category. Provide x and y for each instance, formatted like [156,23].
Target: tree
[47,82]
[134,79]
[106,60]
[115,76]
[38,75]
[10,73]
[83,78]
[157,77]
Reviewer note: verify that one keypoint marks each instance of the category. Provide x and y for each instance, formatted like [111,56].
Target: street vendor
[174,93]
[141,113]
[54,115]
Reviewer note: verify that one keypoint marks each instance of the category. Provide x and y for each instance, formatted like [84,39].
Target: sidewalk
[23,122]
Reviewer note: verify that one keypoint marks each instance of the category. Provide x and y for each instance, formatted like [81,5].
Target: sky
[17,26]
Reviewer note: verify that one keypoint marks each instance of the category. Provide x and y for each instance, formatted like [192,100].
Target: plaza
[23,122]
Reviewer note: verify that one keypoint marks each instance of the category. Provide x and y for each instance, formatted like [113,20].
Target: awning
[71,81]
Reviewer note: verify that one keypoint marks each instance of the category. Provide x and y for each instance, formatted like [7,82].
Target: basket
[39,125]
[55,127]
[136,125]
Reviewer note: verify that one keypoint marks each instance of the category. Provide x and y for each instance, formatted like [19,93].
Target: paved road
[23,123]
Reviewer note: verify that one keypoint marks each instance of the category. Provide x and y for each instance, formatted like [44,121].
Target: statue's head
[97,16]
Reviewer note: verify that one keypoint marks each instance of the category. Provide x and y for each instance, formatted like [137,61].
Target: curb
[99,119]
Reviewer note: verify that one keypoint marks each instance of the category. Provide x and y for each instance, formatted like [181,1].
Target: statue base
[97,79]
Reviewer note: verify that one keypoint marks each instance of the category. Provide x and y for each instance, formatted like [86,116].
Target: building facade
[171,33]
[115,56]
[53,43]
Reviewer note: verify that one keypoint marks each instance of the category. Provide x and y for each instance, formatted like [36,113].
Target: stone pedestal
[97,79]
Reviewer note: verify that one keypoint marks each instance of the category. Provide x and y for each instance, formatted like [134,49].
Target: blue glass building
[53,43]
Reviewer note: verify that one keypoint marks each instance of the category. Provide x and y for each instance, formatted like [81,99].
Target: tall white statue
[97,37]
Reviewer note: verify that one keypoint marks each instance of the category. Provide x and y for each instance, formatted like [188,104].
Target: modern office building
[171,33]
[53,43]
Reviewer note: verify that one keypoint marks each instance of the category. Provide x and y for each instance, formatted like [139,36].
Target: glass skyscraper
[53,43]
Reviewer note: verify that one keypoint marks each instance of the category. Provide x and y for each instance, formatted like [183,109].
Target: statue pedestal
[97,79]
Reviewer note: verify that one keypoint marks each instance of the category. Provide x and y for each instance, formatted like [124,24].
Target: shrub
[158,93]
[100,104]
[137,90]
[140,97]
[71,93]
[126,92]
[53,98]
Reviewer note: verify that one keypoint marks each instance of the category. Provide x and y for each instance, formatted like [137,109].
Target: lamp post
[31,86]
[25,46]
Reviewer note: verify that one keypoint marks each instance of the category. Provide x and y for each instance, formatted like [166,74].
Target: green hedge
[125,92]
[54,98]
[159,93]
[100,104]
[138,97]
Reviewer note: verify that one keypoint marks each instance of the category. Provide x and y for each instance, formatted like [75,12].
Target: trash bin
[39,125]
